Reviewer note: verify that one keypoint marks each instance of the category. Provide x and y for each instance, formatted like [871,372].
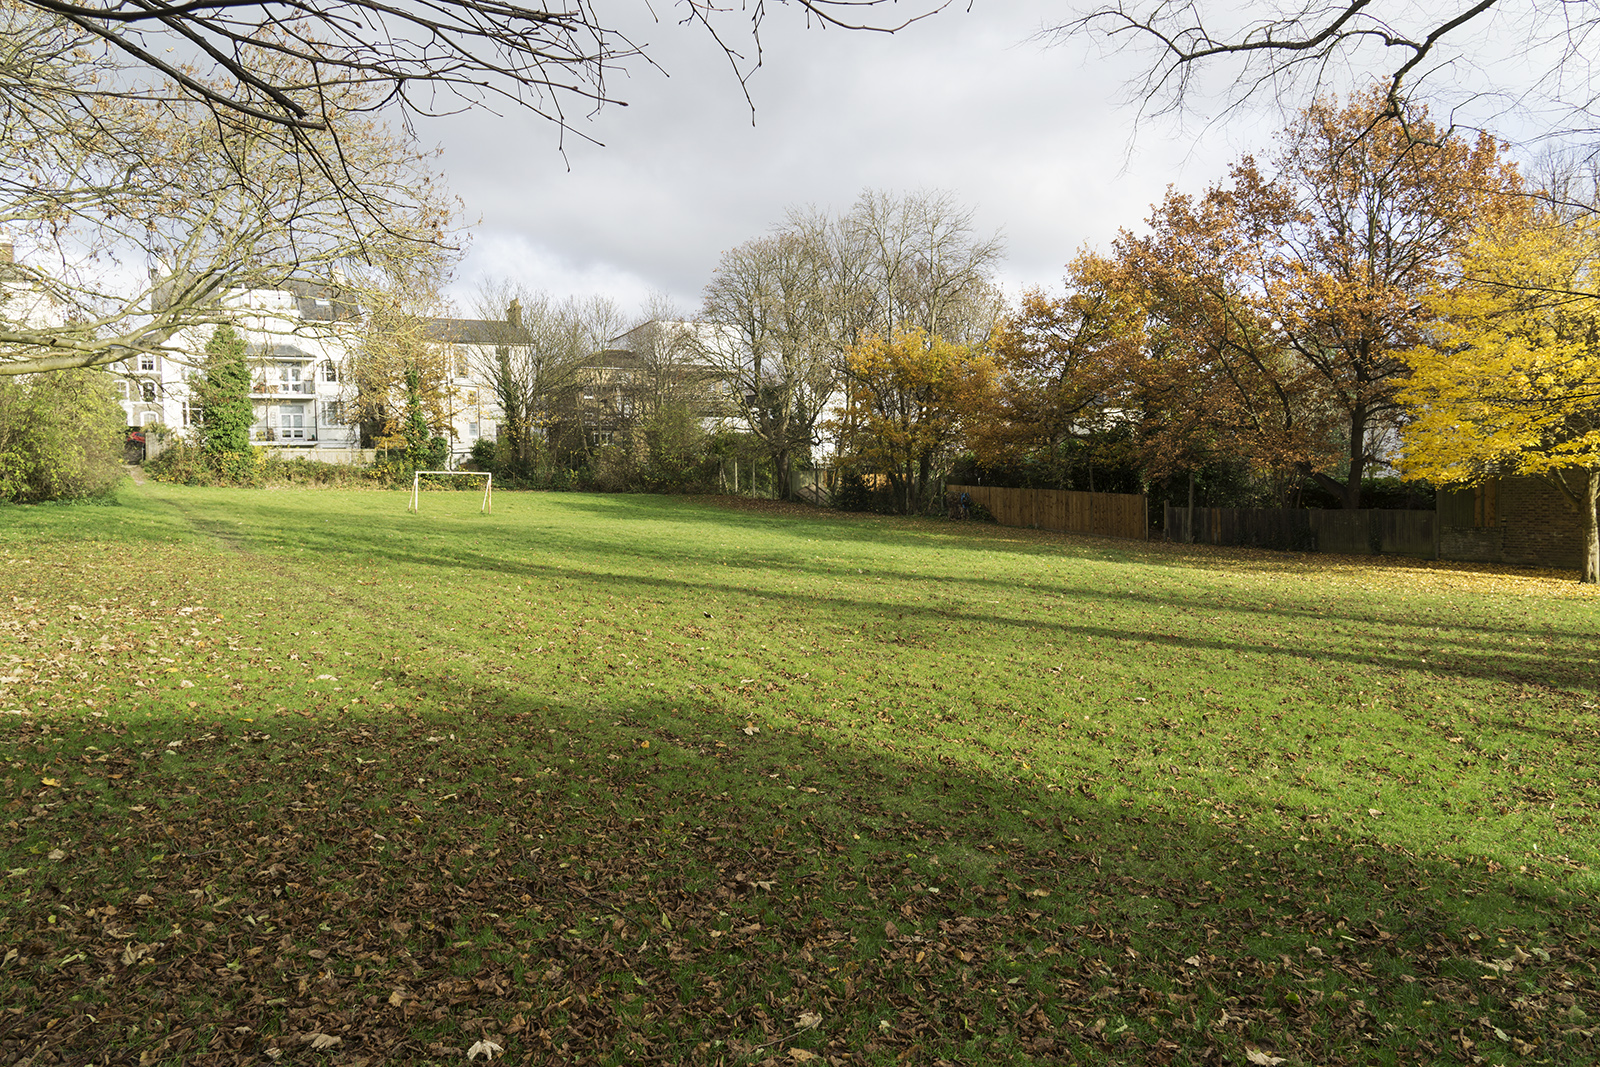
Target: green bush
[188,464]
[61,436]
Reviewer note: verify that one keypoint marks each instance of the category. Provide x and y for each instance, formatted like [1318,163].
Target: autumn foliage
[907,401]
[1509,381]
[1268,319]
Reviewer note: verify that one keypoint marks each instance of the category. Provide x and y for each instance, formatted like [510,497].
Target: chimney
[514,314]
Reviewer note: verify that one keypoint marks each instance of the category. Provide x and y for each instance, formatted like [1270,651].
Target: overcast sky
[1038,140]
[1032,138]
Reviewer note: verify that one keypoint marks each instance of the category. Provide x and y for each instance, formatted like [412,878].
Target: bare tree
[136,214]
[1294,49]
[917,261]
[534,350]
[423,59]
[769,308]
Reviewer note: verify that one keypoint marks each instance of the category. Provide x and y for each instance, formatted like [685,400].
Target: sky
[1036,140]
[1041,142]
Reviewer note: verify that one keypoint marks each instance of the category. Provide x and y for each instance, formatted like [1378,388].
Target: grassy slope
[612,778]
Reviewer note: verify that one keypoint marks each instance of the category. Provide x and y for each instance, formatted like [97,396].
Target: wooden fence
[1363,532]
[1062,510]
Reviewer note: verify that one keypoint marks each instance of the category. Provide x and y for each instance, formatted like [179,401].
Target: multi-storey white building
[295,342]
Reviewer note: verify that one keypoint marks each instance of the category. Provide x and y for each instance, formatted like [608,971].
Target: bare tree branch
[1306,48]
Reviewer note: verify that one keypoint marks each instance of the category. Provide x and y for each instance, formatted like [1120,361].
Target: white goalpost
[488,488]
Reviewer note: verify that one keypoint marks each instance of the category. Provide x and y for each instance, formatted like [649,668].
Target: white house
[295,340]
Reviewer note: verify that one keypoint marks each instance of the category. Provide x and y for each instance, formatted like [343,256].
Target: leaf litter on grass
[413,883]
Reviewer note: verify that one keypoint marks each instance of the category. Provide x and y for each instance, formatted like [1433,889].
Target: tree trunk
[1583,499]
[1358,457]
[780,474]
[1191,538]
[1590,500]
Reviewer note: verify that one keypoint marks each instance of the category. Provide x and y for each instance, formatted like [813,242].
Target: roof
[477,332]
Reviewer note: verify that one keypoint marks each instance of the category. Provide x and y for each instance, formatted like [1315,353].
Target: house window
[600,437]
[330,373]
[461,363]
[332,413]
[149,418]
[292,422]
[192,414]
[147,362]
[148,391]
[122,389]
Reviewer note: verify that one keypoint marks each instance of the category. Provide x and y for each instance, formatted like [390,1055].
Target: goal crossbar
[488,488]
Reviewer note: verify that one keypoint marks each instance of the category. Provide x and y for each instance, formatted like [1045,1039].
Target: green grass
[622,779]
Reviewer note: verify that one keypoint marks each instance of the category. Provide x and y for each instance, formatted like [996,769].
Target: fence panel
[1363,532]
[1064,511]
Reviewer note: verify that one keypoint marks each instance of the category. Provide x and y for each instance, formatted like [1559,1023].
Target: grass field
[300,777]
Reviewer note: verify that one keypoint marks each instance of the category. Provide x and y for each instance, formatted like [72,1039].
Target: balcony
[265,388]
[295,435]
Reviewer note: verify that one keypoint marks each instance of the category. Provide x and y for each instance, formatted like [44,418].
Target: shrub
[187,464]
[61,436]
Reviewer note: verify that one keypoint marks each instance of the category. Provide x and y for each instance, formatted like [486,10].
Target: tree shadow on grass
[1451,648]
[588,884]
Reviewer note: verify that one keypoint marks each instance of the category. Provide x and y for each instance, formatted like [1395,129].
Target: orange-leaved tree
[1380,208]
[1509,381]
[1211,378]
[1052,361]
[911,396]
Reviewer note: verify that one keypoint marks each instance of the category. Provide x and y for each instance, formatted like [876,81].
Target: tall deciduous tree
[770,308]
[1381,207]
[1278,306]
[903,261]
[1058,369]
[396,378]
[1210,376]
[135,211]
[534,354]
[1509,381]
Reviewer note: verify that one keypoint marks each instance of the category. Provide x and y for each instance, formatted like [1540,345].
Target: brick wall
[1541,530]
[1522,521]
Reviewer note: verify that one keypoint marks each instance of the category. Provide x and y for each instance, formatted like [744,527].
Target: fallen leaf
[486,1048]
[809,1020]
[57,855]
[1264,1059]
[322,1041]
[802,1055]
[51,782]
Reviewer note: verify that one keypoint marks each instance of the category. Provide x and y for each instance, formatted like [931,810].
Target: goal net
[488,488]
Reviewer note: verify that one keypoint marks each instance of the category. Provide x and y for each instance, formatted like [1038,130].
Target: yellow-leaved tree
[1510,383]
[909,398]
